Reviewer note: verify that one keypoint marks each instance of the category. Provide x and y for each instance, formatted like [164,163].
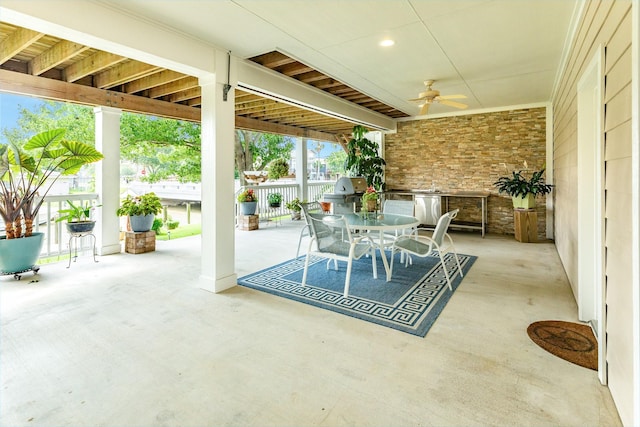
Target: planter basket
[527,202]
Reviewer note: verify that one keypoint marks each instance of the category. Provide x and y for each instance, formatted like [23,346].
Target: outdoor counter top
[448,193]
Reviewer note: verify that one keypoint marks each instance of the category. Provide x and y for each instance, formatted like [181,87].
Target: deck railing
[56,237]
[315,191]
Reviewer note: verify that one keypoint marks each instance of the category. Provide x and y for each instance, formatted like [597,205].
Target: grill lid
[350,185]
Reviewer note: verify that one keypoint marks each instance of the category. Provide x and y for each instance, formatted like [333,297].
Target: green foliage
[76,213]
[145,204]
[254,150]
[248,195]
[336,162]
[363,159]
[157,224]
[294,205]
[274,198]
[172,224]
[517,185]
[370,194]
[278,168]
[27,175]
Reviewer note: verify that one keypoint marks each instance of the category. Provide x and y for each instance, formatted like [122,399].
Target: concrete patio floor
[132,341]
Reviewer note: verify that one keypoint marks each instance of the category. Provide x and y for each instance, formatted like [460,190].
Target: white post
[301,168]
[217,149]
[107,134]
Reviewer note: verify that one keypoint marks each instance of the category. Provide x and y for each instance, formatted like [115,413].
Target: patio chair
[423,246]
[398,207]
[331,239]
[307,208]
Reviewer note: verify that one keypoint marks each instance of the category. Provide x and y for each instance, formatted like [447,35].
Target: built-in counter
[431,204]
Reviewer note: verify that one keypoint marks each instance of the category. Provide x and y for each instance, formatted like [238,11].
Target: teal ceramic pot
[17,255]
[248,208]
[141,223]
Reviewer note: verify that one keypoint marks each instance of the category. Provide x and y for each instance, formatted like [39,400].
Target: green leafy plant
[518,185]
[27,174]
[274,199]
[172,224]
[278,168]
[294,205]
[157,225]
[363,159]
[75,213]
[145,204]
[247,195]
[369,194]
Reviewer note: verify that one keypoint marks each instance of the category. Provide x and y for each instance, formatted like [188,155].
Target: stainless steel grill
[346,194]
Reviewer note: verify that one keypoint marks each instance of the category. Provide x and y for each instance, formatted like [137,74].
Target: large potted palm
[27,174]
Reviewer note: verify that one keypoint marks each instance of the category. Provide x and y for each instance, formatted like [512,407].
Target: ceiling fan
[430,96]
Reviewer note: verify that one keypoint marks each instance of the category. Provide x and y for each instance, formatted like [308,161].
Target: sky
[9,109]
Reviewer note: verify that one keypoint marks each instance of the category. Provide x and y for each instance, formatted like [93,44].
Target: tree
[336,162]
[254,151]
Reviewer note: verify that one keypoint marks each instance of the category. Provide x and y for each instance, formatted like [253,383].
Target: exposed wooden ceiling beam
[50,58]
[123,73]
[258,126]
[157,79]
[90,65]
[185,83]
[16,42]
[56,90]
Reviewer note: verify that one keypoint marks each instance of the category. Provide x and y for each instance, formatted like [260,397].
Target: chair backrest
[329,232]
[311,207]
[399,207]
[443,225]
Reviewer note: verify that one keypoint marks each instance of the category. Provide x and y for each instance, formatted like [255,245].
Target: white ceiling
[496,52]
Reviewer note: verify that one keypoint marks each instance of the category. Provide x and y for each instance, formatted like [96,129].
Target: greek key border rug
[410,302]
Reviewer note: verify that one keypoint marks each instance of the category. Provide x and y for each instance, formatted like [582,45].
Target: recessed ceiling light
[387,42]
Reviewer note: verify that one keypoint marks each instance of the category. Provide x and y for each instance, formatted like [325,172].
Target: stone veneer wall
[469,153]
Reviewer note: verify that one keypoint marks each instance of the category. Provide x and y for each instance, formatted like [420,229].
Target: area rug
[573,342]
[410,302]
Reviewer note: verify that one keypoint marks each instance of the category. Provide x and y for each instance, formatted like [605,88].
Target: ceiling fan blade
[452,97]
[453,104]
[422,98]
[424,109]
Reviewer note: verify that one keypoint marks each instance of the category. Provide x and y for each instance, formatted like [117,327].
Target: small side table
[75,237]
[525,224]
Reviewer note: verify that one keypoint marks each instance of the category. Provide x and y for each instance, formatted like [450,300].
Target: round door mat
[573,342]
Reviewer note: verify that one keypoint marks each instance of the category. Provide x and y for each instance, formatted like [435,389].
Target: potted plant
[363,159]
[78,217]
[141,210]
[370,200]
[295,208]
[275,200]
[248,201]
[278,168]
[27,174]
[523,190]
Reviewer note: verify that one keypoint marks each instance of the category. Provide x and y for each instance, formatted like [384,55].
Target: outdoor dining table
[380,222]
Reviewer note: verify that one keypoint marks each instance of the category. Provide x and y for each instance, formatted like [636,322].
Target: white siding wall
[606,23]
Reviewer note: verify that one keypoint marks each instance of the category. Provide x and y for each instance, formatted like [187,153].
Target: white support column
[107,136]
[217,148]
[301,167]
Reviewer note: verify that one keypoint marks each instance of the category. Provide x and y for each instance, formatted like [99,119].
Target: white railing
[56,237]
[315,191]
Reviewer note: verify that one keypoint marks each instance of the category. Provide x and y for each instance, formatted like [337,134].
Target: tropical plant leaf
[45,139]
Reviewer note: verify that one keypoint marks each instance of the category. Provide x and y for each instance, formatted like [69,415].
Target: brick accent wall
[469,153]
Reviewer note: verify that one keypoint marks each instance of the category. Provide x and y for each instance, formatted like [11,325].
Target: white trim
[549,175]
[576,18]
[590,175]
[635,207]
[477,111]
